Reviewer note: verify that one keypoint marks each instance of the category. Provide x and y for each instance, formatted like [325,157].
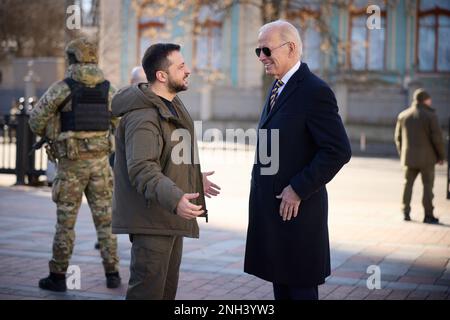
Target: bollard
[33,177]
[362,142]
[22,143]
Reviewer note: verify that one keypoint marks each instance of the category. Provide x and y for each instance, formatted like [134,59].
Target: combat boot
[54,282]
[113,280]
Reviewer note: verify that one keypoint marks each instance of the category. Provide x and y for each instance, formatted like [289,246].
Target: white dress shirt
[287,76]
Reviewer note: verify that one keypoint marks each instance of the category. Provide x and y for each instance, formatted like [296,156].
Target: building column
[205,102]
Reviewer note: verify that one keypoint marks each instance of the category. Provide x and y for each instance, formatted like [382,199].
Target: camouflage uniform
[83,165]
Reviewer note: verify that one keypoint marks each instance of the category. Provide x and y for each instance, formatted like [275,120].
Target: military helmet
[85,51]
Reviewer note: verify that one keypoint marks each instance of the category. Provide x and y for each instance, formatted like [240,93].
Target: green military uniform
[82,158]
[420,145]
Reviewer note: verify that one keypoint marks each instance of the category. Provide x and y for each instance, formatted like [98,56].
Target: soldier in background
[74,115]
[420,145]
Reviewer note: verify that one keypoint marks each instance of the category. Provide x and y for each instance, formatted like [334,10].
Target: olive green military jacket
[151,171]
[418,137]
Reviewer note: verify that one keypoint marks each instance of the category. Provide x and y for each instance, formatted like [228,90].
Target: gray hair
[287,32]
[138,75]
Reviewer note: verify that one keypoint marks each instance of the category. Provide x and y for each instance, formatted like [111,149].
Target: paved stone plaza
[365,222]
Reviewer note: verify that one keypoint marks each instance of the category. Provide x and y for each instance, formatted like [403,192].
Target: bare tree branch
[31,28]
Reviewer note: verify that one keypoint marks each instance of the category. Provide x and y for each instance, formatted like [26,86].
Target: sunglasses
[267,52]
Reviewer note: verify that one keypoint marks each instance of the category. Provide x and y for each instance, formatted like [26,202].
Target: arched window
[150,31]
[153,23]
[207,35]
[432,45]
[367,50]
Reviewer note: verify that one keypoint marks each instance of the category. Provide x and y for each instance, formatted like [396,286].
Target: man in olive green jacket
[420,145]
[159,189]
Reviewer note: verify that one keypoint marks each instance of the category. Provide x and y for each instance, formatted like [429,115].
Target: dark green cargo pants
[154,267]
[427,175]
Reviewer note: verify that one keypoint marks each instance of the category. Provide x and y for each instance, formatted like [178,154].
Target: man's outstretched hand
[188,210]
[210,189]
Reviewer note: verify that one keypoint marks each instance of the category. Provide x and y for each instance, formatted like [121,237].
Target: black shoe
[54,282]
[113,280]
[406,217]
[431,220]
[97,246]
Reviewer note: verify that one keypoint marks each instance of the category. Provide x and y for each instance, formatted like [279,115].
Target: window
[153,23]
[151,31]
[90,12]
[207,35]
[306,18]
[432,45]
[367,47]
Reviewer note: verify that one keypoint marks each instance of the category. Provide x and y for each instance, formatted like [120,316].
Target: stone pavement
[365,223]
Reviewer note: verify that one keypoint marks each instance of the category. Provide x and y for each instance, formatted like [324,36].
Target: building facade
[373,53]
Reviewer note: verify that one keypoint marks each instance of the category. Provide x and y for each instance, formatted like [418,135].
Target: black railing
[8,127]
[448,160]
[16,141]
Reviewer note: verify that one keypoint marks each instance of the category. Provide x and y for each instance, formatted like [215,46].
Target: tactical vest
[89,108]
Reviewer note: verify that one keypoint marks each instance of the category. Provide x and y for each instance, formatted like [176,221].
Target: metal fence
[448,161]
[16,141]
[8,125]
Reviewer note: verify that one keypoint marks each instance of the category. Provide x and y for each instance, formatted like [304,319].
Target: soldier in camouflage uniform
[75,117]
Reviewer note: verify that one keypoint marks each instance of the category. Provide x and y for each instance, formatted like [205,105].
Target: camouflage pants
[93,178]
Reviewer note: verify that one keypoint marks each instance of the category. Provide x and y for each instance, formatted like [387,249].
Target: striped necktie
[274,94]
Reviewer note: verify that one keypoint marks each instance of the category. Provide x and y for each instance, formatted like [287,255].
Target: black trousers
[285,292]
